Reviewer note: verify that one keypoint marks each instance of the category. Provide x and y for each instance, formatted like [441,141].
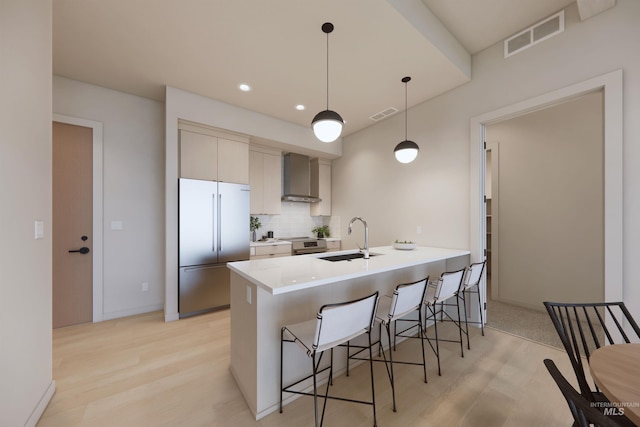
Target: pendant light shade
[406,151]
[327,124]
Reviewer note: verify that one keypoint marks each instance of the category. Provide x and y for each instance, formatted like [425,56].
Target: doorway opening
[611,85]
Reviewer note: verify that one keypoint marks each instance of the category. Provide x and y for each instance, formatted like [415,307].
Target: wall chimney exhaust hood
[297,178]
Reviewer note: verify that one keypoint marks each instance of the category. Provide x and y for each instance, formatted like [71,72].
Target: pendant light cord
[327,71]
[405,111]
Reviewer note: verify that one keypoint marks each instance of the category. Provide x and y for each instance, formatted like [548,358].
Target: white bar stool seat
[471,281]
[335,324]
[448,286]
[407,298]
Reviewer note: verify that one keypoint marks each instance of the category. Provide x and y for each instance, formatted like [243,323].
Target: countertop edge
[356,274]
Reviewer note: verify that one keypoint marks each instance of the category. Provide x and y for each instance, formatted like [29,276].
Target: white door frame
[494,147]
[611,84]
[97,246]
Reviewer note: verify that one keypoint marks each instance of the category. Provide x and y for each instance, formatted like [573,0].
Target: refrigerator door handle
[213,225]
[199,267]
[220,223]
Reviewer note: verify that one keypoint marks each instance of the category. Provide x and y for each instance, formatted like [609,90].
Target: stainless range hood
[297,178]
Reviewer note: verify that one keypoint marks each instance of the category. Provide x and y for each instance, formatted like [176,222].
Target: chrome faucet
[366,234]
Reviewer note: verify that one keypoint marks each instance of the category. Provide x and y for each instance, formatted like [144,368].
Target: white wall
[25,196]
[434,190]
[551,202]
[133,156]
[395,199]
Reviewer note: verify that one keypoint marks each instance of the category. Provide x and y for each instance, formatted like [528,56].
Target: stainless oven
[306,245]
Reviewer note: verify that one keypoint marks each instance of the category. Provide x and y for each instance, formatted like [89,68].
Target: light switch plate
[116,225]
[39,230]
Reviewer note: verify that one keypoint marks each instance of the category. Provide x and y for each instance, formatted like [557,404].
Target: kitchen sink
[345,257]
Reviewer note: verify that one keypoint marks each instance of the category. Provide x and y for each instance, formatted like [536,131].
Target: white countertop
[288,274]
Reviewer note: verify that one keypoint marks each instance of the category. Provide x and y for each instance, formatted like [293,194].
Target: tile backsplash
[295,221]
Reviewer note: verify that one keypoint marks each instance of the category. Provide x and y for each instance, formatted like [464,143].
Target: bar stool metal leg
[481,310]
[335,325]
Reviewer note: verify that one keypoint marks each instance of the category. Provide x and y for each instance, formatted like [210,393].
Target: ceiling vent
[534,34]
[384,114]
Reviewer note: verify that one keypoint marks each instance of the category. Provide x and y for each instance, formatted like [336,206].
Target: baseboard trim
[522,304]
[41,406]
[132,312]
[171,317]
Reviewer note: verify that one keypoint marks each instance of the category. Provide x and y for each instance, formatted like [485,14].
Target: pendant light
[327,124]
[406,151]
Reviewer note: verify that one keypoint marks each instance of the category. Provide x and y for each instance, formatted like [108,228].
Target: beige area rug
[524,322]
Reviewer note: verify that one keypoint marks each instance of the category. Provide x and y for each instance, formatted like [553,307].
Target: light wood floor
[140,371]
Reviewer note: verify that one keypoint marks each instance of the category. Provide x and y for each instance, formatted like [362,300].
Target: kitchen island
[269,293]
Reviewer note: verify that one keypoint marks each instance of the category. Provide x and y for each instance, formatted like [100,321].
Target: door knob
[83,250]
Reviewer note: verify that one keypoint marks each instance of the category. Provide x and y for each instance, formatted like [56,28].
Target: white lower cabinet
[333,245]
[270,251]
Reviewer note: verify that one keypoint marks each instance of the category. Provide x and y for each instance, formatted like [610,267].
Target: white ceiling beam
[589,8]
[427,24]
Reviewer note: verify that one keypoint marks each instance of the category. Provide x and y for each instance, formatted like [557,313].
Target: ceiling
[277,46]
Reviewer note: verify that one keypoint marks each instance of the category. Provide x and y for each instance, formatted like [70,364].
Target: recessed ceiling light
[300,107]
[244,87]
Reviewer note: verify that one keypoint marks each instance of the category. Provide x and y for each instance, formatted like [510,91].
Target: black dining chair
[585,327]
[583,411]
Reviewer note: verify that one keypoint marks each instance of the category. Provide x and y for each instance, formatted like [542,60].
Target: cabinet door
[256,173]
[321,186]
[272,184]
[198,156]
[333,245]
[233,163]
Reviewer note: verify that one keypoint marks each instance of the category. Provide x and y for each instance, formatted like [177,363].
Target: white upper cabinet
[265,179]
[233,161]
[321,186]
[256,175]
[213,155]
[198,156]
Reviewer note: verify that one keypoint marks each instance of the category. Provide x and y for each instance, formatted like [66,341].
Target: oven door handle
[303,252]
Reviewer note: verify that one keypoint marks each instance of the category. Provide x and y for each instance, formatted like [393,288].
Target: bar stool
[406,299]
[335,324]
[472,280]
[444,289]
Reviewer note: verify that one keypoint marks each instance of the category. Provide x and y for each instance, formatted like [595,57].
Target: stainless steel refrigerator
[213,230]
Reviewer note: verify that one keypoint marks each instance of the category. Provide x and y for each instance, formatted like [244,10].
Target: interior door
[72,183]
